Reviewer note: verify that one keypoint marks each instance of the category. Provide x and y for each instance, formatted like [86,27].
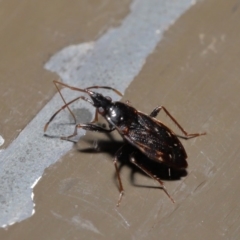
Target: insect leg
[66,106]
[156,111]
[89,127]
[116,157]
[133,160]
[72,88]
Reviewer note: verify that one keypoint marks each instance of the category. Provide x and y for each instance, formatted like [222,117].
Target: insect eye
[108,98]
[101,110]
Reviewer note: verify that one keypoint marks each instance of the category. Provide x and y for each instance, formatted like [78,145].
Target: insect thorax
[120,113]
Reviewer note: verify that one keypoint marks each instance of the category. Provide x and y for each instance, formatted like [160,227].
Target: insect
[144,132]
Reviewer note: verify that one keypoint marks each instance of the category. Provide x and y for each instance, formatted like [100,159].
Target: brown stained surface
[194,72]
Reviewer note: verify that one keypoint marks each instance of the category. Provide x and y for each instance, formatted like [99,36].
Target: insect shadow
[110,147]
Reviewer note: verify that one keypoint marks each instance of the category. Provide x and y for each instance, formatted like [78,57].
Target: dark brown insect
[144,132]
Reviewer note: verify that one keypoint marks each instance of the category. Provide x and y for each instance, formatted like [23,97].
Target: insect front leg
[154,177]
[65,103]
[89,127]
[66,106]
[156,111]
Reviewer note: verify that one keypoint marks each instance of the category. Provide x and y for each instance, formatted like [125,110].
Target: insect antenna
[106,87]
[66,104]
[81,90]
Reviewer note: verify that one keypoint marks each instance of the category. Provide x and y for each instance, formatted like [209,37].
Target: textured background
[194,72]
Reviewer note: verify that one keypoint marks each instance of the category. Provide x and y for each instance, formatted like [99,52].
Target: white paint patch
[1,140]
[114,60]
[72,57]
[32,194]
[35,182]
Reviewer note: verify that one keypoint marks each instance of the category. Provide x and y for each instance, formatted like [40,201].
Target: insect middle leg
[154,177]
[156,111]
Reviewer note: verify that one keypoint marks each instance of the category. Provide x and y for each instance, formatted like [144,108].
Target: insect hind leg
[154,177]
[116,157]
[187,135]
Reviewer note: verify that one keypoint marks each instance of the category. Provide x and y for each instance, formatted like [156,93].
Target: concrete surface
[193,72]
